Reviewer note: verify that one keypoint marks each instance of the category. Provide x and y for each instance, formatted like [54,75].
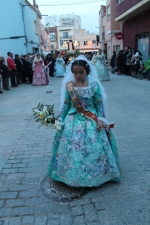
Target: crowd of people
[36,69]
[128,62]
[31,68]
[28,69]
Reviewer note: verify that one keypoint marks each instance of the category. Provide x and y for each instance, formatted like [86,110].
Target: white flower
[36,110]
[58,125]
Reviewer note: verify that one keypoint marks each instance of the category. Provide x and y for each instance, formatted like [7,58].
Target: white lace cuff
[60,119]
[103,120]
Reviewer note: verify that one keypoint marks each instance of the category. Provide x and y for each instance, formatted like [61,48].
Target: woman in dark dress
[119,62]
[5,74]
[27,69]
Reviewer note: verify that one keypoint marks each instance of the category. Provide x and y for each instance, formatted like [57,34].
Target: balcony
[64,38]
[134,10]
[44,42]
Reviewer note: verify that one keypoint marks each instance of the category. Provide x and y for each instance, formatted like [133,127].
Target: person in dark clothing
[124,69]
[24,76]
[20,68]
[113,60]
[50,58]
[1,92]
[119,62]
[128,60]
[125,53]
[5,72]
[27,69]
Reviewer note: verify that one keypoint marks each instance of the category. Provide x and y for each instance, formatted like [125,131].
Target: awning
[90,50]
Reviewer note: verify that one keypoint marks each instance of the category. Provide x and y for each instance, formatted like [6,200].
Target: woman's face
[38,56]
[79,73]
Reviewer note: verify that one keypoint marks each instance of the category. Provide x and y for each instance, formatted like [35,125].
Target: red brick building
[135,16]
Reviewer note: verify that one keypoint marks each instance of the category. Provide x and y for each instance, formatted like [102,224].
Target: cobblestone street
[25,153]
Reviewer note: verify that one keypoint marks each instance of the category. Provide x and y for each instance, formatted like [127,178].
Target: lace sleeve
[98,101]
[99,105]
[65,107]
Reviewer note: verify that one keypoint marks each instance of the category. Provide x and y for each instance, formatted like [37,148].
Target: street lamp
[65,45]
[76,44]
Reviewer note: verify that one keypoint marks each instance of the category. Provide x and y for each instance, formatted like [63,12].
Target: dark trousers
[128,70]
[20,77]
[51,70]
[13,75]
[5,82]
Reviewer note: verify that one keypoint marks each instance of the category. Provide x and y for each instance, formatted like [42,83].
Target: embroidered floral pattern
[82,155]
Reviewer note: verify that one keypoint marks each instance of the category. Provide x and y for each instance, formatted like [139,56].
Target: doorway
[143,45]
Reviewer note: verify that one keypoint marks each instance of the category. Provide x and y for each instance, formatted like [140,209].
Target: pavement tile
[17,211]
[28,219]
[26,162]
[14,221]
[15,202]
[40,220]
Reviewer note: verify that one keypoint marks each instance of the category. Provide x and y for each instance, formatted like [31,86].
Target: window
[84,42]
[52,46]
[53,36]
[35,50]
[65,35]
[108,12]
[35,27]
[117,48]
[62,42]
[119,1]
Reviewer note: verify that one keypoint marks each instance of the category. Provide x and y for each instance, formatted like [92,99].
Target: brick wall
[137,25]
[124,6]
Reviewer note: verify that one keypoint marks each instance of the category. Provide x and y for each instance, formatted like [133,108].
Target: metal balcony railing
[67,37]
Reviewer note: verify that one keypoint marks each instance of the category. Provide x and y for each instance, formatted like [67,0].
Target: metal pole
[26,39]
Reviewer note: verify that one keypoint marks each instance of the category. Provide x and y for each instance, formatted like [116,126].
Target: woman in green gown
[83,153]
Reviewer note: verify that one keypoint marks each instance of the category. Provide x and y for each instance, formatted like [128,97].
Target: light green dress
[102,70]
[82,156]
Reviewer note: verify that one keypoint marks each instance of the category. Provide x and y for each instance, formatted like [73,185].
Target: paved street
[25,153]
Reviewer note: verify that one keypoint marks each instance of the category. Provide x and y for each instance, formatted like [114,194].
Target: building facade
[21,28]
[108,29]
[63,20]
[45,43]
[135,16]
[85,41]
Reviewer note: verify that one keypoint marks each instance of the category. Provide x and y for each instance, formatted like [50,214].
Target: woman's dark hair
[82,63]
[133,50]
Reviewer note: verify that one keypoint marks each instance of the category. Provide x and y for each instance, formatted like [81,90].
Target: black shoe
[1,92]
[15,85]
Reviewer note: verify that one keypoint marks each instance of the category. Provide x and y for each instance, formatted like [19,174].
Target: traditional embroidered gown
[83,156]
[101,68]
[39,75]
[59,66]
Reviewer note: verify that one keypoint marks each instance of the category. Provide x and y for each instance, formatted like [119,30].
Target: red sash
[79,106]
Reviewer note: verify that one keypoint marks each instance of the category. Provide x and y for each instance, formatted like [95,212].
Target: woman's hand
[99,125]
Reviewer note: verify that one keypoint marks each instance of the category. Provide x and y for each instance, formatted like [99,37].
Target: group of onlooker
[128,62]
[19,69]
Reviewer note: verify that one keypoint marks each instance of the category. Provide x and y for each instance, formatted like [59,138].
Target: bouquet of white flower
[45,115]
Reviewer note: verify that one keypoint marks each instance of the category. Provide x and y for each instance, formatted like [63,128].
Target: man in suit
[20,68]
